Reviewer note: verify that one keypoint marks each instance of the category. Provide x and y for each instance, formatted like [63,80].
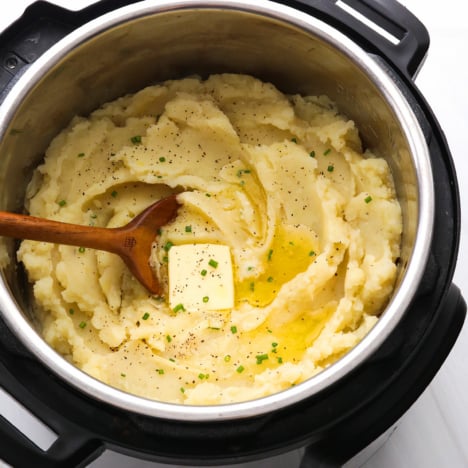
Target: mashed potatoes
[312,225]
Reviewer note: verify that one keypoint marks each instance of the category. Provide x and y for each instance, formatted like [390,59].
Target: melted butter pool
[291,253]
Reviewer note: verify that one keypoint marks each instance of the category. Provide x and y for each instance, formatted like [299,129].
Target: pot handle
[72,448]
[43,24]
[39,28]
[403,40]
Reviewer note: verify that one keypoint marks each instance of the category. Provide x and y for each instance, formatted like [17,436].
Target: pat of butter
[200,277]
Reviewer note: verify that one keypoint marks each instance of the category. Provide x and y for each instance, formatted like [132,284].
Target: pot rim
[96,389]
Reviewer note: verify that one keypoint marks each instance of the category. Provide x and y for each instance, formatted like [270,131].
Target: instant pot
[57,63]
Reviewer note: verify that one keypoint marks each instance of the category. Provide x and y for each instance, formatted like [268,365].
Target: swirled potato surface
[310,221]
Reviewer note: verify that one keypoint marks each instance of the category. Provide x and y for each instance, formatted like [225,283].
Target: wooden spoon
[132,242]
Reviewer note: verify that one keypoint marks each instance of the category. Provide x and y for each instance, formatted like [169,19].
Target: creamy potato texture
[311,221]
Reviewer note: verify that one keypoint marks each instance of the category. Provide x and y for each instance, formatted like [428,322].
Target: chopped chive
[182,389]
[162,159]
[179,308]
[165,259]
[213,263]
[82,324]
[261,357]
[294,140]
[135,139]
[71,311]
[208,195]
[270,253]
[274,344]
[62,202]
[280,360]
[203,272]
[168,338]
[171,359]
[114,193]
[312,154]
[240,369]
[80,155]
[227,358]
[368,199]
[160,371]
[270,279]
[330,168]
[203,376]
[205,299]
[167,246]
[327,151]
[145,316]
[81,250]
[243,171]
[123,375]
[233,329]
[188,228]
[312,253]
[252,286]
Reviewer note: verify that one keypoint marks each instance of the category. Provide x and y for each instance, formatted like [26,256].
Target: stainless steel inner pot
[152,41]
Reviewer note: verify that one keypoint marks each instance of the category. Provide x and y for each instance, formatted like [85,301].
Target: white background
[434,433]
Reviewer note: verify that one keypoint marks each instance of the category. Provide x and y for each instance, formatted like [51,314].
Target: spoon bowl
[132,242]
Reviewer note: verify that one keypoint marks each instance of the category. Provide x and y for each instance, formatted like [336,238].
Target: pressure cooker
[58,63]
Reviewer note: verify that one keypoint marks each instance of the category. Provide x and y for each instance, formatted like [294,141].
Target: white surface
[434,432]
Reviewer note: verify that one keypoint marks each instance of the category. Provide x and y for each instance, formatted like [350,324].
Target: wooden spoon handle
[46,230]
